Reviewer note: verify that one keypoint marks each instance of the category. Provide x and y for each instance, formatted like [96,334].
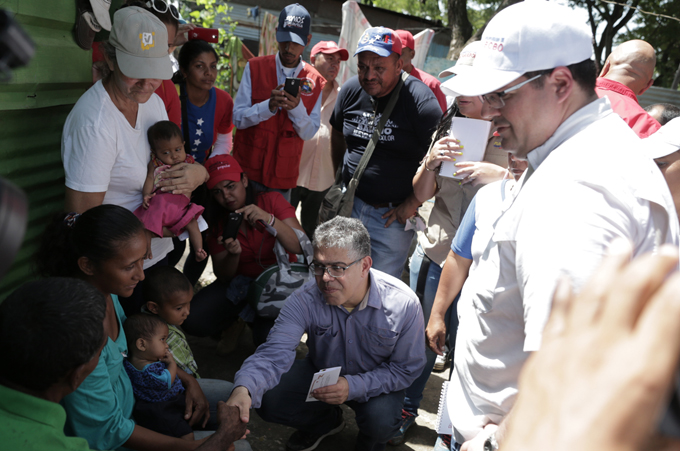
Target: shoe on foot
[407,419]
[305,441]
[440,362]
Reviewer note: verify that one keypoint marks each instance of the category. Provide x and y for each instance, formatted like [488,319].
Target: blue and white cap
[294,24]
[379,40]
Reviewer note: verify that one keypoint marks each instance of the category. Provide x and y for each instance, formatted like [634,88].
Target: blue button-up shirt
[380,348]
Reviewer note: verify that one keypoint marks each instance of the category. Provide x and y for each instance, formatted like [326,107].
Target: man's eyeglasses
[162,7]
[495,99]
[333,270]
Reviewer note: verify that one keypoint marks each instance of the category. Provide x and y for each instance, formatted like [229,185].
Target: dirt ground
[272,437]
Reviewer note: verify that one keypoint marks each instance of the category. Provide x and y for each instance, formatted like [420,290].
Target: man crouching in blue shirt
[366,322]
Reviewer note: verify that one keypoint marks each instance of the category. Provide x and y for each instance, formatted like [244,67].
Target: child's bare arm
[147,189]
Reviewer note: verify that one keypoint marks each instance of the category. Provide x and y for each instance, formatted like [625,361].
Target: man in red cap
[408,52]
[316,165]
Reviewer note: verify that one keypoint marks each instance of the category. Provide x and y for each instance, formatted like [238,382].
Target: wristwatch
[490,444]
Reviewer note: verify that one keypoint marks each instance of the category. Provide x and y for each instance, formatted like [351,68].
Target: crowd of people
[521,273]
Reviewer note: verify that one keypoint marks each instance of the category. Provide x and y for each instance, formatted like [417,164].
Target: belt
[384,204]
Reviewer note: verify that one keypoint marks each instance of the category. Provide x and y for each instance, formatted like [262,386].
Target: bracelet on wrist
[432,170]
[271,220]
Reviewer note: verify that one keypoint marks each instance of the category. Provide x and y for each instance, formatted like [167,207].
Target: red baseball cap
[329,47]
[406,39]
[222,167]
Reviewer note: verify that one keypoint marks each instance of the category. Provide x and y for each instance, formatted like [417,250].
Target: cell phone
[232,225]
[292,86]
[204,34]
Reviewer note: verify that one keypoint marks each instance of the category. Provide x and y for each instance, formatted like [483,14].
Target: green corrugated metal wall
[33,108]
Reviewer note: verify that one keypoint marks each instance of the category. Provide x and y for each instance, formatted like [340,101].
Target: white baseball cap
[665,141]
[141,43]
[464,61]
[528,36]
[100,8]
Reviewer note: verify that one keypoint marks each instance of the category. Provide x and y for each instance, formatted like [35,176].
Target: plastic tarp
[268,45]
[354,23]
[422,46]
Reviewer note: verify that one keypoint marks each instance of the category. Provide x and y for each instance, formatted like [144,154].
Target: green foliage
[660,32]
[481,11]
[213,14]
[429,9]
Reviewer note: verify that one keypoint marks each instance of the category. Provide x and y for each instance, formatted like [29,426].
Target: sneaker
[443,443]
[440,362]
[407,419]
[305,441]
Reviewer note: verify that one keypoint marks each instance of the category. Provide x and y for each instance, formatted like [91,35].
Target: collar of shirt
[615,86]
[593,111]
[280,69]
[364,302]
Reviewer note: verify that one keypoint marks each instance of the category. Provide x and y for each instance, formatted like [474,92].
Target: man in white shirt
[272,124]
[316,166]
[587,184]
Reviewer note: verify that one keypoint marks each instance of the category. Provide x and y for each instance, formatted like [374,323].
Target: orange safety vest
[270,151]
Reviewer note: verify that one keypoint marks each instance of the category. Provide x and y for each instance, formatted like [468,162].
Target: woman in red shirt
[237,262]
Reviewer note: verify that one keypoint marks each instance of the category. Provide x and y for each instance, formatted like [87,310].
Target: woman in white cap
[104,145]
[664,147]
[451,200]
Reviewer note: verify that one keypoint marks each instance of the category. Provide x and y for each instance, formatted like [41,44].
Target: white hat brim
[477,80]
[101,12]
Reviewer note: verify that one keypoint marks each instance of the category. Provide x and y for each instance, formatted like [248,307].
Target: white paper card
[323,378]
[473,135]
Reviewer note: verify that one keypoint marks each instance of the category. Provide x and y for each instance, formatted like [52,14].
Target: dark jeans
[311,204]
[134,303]
[378,418]
[211,311]
[192,269]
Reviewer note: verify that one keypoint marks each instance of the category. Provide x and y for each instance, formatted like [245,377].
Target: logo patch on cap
[294,22]
[147,40]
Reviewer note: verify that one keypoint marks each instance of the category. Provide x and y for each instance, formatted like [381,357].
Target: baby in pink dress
[159,209]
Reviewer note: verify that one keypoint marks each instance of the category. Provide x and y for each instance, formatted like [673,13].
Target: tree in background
[663,33]
[214,14]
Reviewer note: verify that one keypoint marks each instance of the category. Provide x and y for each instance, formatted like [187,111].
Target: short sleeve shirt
[403,143]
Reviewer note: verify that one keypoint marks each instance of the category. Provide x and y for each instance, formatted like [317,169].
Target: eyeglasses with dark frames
[495,99]
[333,270]
[162,7]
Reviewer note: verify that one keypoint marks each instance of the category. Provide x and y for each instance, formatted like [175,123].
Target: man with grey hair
[364,321]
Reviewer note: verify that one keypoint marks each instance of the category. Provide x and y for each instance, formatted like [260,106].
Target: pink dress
[173,211]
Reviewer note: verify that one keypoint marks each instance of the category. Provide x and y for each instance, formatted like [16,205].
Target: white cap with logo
[528,36]
[665,141]
[141,43]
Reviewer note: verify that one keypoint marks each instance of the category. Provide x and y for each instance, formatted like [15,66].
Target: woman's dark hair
[445,122]
[162,131]
[190,52]
[96,234]
[214,211]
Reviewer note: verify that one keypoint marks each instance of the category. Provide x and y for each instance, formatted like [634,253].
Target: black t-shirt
[403,142]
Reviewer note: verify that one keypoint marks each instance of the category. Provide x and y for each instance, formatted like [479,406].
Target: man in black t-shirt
[384,198]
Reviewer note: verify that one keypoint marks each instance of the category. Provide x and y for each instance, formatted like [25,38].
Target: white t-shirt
[103,153]
[592,184]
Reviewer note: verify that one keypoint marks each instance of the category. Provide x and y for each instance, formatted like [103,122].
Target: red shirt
[257,248]
[625,104]
[433,84]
